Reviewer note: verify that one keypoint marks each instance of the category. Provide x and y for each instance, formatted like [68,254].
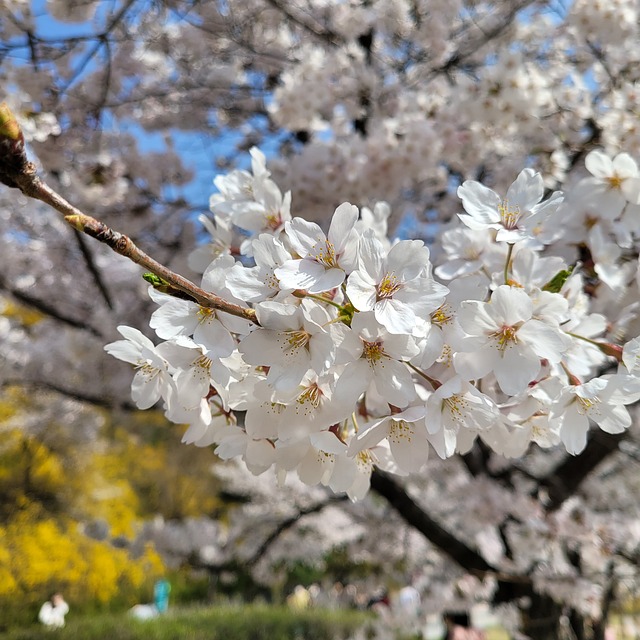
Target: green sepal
[347,311]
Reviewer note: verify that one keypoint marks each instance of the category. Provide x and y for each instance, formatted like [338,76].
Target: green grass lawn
[219,623]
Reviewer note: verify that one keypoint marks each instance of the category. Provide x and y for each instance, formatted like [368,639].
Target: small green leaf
[556,283]
[161,285]
[154,280]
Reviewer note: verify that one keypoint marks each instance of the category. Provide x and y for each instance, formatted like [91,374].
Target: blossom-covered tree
[343,357]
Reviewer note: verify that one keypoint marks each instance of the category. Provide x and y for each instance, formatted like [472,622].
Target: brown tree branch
[466,557]
[16,171]
[564,480]
[104,402]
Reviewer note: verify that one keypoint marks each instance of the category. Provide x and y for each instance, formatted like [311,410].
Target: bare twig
[47,309]
[93,268]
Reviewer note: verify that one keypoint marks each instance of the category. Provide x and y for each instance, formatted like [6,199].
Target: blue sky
[198,151]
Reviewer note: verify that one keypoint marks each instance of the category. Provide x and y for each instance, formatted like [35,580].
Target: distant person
[161,591]
[53,611]
[408,602]
[380,604]
[299,599]
[459,628]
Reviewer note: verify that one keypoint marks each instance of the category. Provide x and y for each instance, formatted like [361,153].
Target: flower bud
[612,350]
[13,156]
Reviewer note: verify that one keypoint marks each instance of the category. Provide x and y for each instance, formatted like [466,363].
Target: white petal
[146,389]
[299,274]
[526,191]
[370,257]
[361,291]
[546,342]
[574,430]
[409,446]
[598,164]
[395,316]
[304,236]
[516,369]
[480,202]
[625,166]
[613,419]
[510,305]
[343,221]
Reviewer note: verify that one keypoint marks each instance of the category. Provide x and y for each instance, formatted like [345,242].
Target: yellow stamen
[456,405]
[509,216]
[615,181]
[273,220]
[388,286]
[442,315]
[505,336]
[400,430]
[205,314]
[587,405]
[325,254]
[373,351]
[311,395]
[297,339]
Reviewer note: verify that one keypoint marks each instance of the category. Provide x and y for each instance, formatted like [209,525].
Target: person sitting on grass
[53,611]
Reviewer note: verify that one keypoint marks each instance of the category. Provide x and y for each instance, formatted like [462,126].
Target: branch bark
[565,479]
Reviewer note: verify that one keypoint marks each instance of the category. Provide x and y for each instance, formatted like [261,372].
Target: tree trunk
[542,619]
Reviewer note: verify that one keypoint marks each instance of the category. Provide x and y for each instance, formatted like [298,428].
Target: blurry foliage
[188,586]
[55,484]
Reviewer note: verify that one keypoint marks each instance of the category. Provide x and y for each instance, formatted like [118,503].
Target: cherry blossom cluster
[368,352]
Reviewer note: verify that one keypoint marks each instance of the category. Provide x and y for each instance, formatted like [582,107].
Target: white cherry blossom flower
[464,250]
[517,216]
[323,259]
[309,408]
[260,282]
[377,359]
[606,254]
[601,400]
[506,339]
[313,461]
[445,334]
[530,418]
[293,339]
[209,327]
[406,434]
[153,376]
[613,183]
[396,288]
[196,372]
[458,406]
[258,455]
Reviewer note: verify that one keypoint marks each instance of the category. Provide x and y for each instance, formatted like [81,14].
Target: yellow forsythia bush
[39,557]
